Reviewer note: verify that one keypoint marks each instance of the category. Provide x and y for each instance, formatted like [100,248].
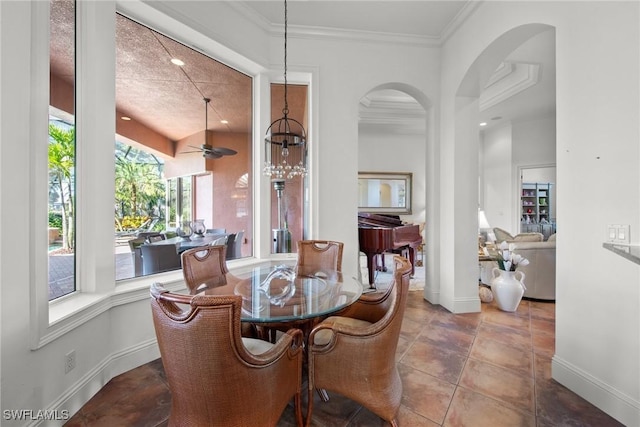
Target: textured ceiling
[156,93]
[169,98]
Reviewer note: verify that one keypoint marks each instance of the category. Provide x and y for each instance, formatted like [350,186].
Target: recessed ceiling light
[125,118]
[483,124]
[176,61]
[224,122]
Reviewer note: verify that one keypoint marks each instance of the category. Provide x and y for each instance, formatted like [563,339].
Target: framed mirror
[384,192]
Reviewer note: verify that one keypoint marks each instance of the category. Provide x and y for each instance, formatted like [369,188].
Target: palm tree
[139,187]
[62,153]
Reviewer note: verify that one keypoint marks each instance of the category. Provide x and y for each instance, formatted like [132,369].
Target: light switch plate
[618,233]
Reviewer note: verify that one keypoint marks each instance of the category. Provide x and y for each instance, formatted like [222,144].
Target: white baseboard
[608,399]
[467,305]
[86,387]
[431,294]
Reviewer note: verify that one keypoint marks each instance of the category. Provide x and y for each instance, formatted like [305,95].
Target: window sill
[67,313]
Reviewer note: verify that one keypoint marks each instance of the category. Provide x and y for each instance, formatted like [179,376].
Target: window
[194,115]
[218,193]
[62,150]
[180,203]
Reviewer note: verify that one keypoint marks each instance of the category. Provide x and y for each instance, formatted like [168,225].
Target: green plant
[62,153]
[55,220]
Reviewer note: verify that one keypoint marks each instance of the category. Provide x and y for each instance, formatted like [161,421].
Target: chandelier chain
[285,111]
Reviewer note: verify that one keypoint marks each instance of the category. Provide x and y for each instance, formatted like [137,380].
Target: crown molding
[508,81]
[251,15]
[389,114]
[311,32]
[503,70]
[453,25]
[328,33]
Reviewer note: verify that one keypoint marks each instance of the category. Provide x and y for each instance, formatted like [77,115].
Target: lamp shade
[483,224]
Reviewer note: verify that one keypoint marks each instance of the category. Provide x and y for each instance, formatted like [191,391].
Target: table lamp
[484,229]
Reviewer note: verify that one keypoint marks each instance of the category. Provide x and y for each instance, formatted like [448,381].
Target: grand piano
[386,233]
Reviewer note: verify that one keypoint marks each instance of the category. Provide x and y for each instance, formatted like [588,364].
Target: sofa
[540,274]
[504,236]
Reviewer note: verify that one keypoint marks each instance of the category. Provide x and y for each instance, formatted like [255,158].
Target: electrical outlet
[69,361]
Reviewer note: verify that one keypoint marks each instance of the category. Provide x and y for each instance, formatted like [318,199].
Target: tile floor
[483,369]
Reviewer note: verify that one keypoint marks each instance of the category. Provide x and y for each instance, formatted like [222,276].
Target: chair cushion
[552,238]
[324,336]
[256,346]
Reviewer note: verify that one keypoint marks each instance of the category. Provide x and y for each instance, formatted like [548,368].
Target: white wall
[348,70]
[497,176]
[534,142]
[505,149]
[597,311]
[392,152]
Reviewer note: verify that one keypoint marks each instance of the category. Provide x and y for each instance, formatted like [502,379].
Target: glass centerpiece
[198,228]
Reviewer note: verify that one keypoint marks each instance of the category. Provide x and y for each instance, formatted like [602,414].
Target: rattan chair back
[214,379]
[324,254]
[204,266]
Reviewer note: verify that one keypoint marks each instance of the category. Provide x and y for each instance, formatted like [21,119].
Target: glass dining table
[183,244]
[285,296]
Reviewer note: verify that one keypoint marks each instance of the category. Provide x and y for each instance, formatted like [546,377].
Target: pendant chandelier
[286,140]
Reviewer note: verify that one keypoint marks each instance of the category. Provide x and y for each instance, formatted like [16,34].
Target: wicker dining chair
[204,266]
[216,377]
[320,253]
[159,258]
[312,254]
[354,354]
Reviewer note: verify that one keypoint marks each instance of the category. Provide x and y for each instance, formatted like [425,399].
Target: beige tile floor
[484,369]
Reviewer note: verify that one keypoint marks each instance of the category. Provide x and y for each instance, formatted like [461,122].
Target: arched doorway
[393,133]
[458,286]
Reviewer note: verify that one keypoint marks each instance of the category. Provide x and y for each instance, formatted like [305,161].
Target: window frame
[96,288]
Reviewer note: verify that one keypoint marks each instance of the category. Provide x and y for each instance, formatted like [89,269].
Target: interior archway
[471,99]
[393,134]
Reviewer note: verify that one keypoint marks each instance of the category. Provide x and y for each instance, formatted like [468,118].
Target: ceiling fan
[209,151]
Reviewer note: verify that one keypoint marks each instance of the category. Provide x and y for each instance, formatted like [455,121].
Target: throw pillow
[529,237]
[502,235]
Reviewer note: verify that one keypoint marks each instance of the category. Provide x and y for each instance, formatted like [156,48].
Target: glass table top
[289,293]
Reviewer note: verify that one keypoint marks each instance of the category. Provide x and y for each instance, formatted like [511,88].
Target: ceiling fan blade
[188,152]
[224,151]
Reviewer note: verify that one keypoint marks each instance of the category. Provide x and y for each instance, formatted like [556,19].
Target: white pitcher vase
[507,288]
